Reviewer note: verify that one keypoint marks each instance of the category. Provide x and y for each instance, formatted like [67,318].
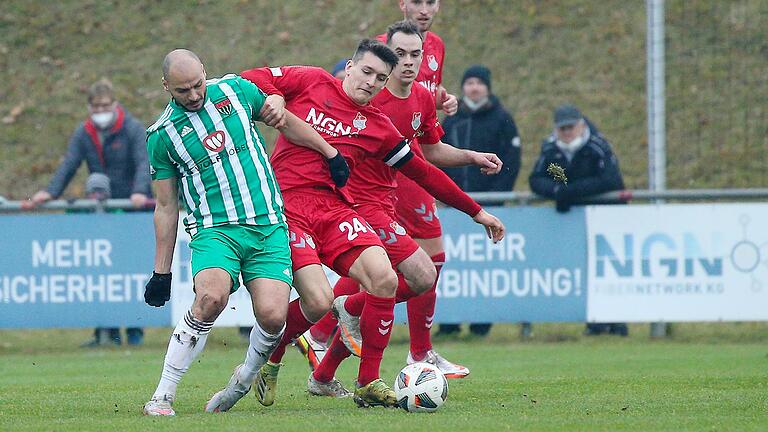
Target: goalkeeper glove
[339,169]
[158,289]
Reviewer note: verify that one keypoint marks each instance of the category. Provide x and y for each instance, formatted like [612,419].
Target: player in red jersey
[416,209]
[422,13]
[323,226]
[412,110]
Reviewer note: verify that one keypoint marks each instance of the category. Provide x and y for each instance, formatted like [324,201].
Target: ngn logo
[658,254]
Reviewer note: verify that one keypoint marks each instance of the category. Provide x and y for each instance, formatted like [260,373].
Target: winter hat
[480,72]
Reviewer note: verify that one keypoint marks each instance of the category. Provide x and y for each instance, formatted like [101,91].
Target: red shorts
[398,244]
[323,228]
[416,210]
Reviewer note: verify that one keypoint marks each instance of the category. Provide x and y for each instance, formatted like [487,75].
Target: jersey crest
[416,121]
[359,121]
[432,62]
[224,107]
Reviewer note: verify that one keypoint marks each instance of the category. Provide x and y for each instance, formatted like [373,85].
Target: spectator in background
[112,143]
[338,69]
[482,124]
[590,167]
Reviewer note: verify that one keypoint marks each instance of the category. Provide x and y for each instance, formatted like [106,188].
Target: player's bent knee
[272,323]
[383,283]
[315,308]
[424,281]
[209,305]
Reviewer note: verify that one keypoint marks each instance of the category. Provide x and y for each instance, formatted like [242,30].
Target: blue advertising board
[77,270]
[87,270]
[537,273]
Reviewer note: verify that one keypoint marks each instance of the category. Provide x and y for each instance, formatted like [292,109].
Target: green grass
[706,377]
[541,53]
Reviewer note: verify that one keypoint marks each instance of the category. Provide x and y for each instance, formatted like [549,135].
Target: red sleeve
[439,185]
[286,81]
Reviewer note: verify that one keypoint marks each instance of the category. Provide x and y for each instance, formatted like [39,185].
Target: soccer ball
[421,387]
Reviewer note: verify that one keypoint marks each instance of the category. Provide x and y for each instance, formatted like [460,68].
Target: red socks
[376,328]
[336,353]
[421,312]
[295,324]
[403,292]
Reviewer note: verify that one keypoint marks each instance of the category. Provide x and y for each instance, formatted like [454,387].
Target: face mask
[103,120]
[572,146]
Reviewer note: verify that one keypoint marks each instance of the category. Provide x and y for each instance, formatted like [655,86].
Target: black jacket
[492,130]
[122,157]
[594,169]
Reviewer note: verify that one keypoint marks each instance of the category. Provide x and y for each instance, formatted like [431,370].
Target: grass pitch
[706,377]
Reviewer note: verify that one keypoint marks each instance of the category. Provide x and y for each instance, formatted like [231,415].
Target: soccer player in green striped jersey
[206,149]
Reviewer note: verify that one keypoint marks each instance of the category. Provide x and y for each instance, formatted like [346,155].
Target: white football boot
[450,370]
[225,399]
[159,406]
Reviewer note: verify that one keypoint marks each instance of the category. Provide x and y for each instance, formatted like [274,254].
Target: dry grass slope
[541,52]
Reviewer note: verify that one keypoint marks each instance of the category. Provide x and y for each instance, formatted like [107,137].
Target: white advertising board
[692,262]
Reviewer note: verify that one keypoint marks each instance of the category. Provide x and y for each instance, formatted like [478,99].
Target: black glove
[562,199]
[158,289]
[339,169]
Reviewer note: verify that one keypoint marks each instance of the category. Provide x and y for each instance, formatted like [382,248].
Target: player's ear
[402,5]
[165,84]
[348,66]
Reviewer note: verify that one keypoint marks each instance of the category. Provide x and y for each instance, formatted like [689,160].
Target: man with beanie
[113,144]
[591,169]
[482,124]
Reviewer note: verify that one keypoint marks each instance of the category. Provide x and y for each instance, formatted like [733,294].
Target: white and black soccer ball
[421,387]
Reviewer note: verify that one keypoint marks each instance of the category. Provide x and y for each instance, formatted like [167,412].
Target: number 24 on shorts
[353,229]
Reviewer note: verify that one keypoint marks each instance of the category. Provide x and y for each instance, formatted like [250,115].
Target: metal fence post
[657,175]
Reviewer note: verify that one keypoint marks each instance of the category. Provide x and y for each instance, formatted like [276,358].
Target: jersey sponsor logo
[432,62]
[276,71]
[416,120]
[185,131]
[224,107]
[327,124]
[359,121]
[429,85]
[215,141]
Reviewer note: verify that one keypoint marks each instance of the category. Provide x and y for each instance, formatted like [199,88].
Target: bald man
[205,145]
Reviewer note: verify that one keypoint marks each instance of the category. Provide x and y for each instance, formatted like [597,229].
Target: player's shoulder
[230,79]
[421,93]
[433,38]
[303,70]
[162,121]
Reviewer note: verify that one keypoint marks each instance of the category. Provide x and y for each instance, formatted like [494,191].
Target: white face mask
[103,120]
[572,146]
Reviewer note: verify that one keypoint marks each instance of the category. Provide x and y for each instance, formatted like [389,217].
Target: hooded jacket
[489,129]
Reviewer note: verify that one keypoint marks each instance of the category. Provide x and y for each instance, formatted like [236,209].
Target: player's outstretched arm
[446,155]
[158,289]
[301,133]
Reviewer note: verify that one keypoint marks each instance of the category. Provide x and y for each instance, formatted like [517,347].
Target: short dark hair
[378,49]
[405,27]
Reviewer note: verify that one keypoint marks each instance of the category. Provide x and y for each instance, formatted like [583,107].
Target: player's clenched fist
[339,169]
[158,289]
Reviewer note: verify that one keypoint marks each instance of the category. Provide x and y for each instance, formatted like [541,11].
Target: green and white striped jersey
[217,156]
